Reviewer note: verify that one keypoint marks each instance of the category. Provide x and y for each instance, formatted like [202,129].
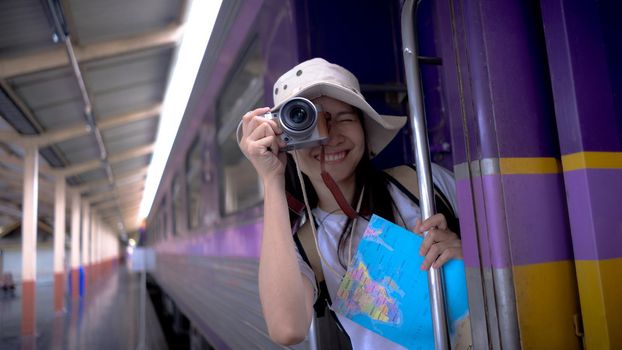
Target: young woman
[356,133]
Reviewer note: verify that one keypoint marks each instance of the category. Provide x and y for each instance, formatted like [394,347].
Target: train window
[163,216]
[240,187]
[193,184]
[155,229]
[177,216]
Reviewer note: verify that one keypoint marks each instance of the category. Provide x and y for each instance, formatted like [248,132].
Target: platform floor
[106,318]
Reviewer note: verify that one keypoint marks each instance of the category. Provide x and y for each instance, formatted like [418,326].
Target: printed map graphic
[385,290]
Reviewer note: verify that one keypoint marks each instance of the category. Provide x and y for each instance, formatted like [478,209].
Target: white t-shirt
[328,233]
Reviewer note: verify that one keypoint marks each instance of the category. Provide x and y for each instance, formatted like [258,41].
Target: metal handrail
[422,160]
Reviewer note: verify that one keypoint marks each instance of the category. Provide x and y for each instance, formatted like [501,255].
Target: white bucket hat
[317,77]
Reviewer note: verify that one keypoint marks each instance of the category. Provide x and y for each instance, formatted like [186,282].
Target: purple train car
[523,102]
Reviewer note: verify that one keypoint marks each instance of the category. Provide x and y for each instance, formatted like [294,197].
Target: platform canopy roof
[124,52]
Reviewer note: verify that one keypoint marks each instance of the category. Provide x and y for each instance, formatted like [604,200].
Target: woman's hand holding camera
[440,244]
[260,143]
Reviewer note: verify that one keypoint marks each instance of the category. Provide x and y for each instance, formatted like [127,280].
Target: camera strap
[334,189]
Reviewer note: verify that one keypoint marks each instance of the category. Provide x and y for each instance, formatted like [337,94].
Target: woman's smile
[332,157]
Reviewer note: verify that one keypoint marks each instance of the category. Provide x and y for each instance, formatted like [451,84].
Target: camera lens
[298,117]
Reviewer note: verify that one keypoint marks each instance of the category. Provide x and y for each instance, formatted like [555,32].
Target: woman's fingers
[261,143]
[264,145]
[417,228]
[436,220]
[448,254]
[440,253]
[439,244]
[252,119]
[435,236]
[261,139]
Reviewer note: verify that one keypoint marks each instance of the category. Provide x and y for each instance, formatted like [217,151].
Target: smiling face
[345,146]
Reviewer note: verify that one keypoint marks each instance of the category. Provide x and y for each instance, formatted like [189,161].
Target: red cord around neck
[334,189]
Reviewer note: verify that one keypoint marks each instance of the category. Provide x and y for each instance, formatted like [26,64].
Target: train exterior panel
[515,93]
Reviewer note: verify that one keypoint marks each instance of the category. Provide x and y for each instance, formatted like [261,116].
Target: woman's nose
[334,136]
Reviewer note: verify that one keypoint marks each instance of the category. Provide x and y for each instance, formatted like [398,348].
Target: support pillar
[29,240]
[86,229]
[93,242]
[75,245]
[59,244]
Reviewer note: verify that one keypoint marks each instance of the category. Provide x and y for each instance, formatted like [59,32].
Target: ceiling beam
[43,168]
[10,210]
[81,129]
[129,214]
[136,197]
[129,177]
[46,207]
[168,37]
[94,164]
[107,195]
[130,223]
[112,211]
[7,174]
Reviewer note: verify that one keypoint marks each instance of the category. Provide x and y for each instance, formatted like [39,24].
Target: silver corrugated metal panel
[112,73]
[61,115]
[43,90]
[93,175]
[52,96]
[142,76]
[14,116]
[130,135]
[131,164]
[116,101]
[24,28]
[78,150]
[97,20]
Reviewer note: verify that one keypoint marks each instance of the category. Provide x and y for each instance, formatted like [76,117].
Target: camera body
[302,123]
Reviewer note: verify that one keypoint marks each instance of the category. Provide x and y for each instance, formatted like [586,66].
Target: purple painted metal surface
[455,82]
[595,215]
[506,62]
[437,119]
[468,227]
[536,218]
[243,241]
[494,70]
[495,211]
[520,220]
[582,89]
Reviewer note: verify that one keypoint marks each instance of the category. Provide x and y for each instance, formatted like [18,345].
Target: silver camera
[302,124]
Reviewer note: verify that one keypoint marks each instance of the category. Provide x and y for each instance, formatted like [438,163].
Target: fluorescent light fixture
[197,30]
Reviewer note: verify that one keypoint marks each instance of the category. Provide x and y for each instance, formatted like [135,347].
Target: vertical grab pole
[422,159]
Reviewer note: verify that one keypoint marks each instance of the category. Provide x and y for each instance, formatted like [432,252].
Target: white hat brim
[381,129]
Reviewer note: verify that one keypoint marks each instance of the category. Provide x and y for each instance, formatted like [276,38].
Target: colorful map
[385,290]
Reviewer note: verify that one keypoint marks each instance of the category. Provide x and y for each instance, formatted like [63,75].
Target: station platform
[106,317]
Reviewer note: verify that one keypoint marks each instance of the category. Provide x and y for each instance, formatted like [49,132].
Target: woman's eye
[346,118]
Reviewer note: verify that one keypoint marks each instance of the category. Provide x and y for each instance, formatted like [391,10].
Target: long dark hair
[376,199]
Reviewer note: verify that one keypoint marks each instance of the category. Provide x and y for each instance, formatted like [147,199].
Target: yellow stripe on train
[592,160]
[535,165]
